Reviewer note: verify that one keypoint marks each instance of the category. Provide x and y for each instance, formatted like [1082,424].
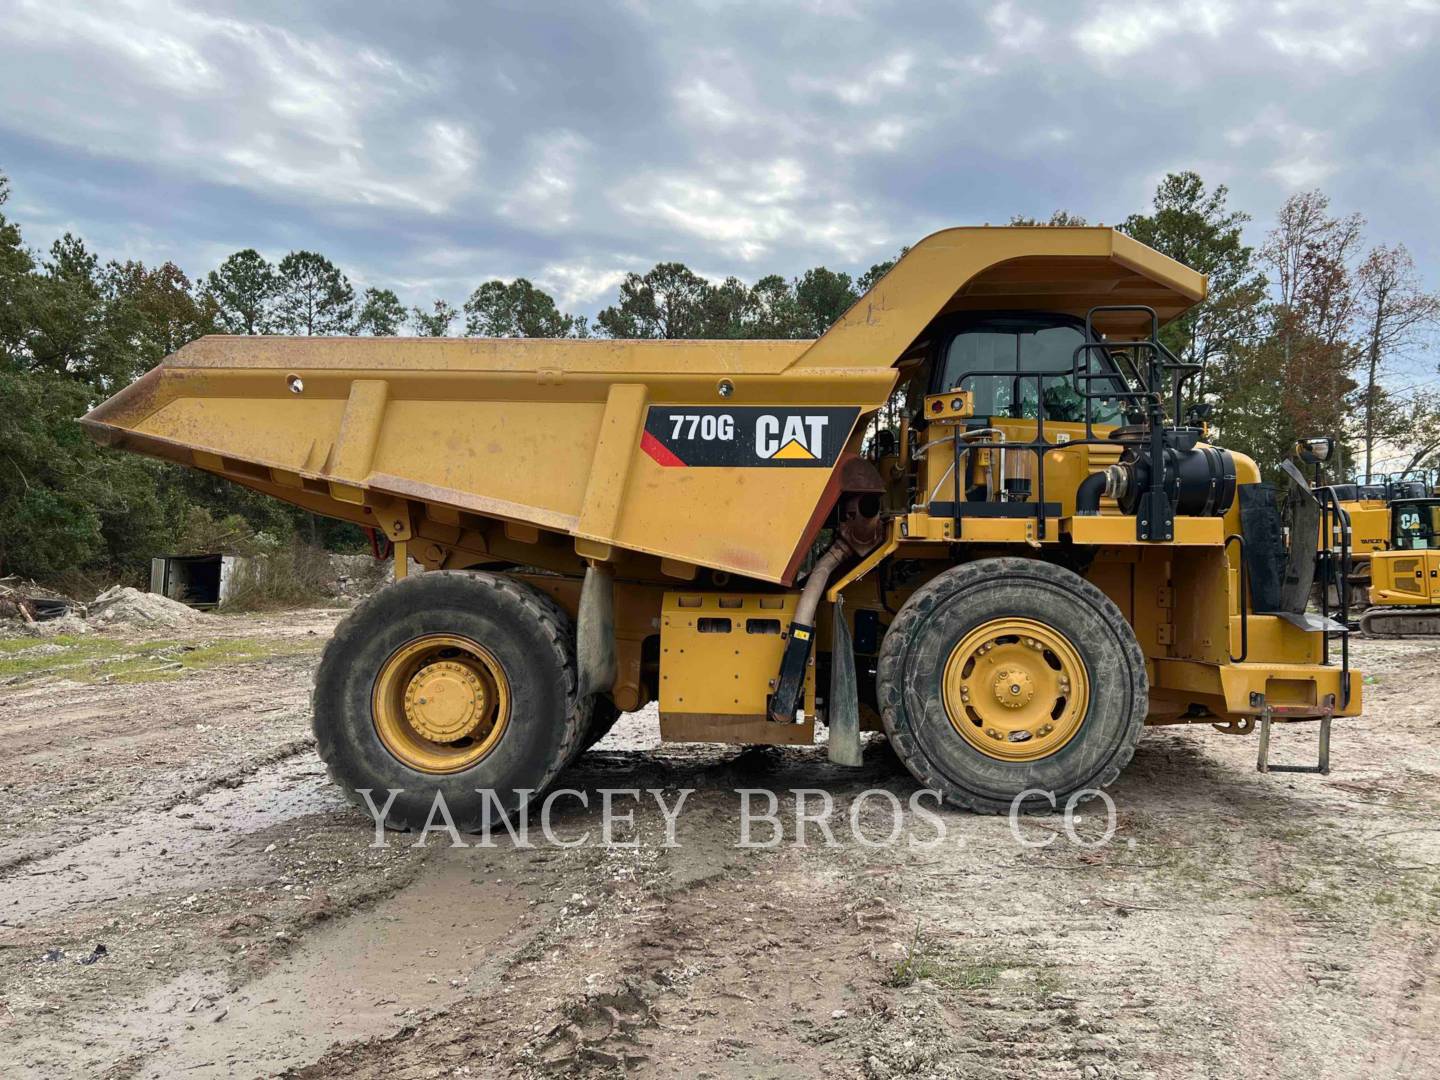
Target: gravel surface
[183,894]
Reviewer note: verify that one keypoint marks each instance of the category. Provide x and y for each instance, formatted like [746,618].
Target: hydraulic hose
[791,681]
[819,577]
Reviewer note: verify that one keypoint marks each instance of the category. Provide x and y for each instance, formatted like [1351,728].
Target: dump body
[551,434]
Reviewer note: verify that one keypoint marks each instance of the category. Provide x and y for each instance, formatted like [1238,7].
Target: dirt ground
[183,894]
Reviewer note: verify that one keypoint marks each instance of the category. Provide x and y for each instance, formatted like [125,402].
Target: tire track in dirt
[1257,926]
[92,758]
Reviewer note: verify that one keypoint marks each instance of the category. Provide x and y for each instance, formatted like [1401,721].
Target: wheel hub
[441,703]
[1016,689]
[1013,688]
[445,701]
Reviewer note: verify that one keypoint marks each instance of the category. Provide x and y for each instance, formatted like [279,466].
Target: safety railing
[1156,378]
[1335,565]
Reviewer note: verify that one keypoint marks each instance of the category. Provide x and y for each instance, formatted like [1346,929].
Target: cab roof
[1070,270]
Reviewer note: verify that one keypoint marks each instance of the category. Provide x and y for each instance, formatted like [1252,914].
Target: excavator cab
[1406,579]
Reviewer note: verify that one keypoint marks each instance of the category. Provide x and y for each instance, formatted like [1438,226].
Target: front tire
[447,682]
[1006,675]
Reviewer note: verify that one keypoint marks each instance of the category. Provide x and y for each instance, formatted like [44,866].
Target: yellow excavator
[1365,506]
[1405,578]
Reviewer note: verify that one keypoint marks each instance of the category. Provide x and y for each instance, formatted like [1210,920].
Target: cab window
[1417,528]
[983,351]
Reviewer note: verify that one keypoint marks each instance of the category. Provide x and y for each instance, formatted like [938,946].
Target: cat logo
[746,436]
[792,438]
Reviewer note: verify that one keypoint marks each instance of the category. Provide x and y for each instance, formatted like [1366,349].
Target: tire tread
[890,674]
[545,612]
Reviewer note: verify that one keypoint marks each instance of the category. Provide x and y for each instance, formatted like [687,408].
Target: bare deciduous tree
[1309,256]
[1395,316]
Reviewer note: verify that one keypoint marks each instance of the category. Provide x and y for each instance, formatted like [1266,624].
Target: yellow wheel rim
[440,703]
[1016,689]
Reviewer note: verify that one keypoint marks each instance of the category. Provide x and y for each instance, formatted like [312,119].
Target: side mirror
[1315,451]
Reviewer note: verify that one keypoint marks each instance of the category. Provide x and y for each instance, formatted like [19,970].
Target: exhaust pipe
[860,530]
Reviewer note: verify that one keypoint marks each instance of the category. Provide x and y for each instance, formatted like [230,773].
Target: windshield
[1417,527]
[981,353]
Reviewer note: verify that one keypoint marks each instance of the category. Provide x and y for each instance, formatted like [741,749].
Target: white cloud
[748,209]
[583,283]
[1299,155]
[1325,47]
[1014,29]
[705,103]
[884,136]
[251,104]
[1350,35]
[888,75]
[158,56]
[544,197]
[1118,31]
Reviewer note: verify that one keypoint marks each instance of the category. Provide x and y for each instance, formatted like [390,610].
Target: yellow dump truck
[1035,561]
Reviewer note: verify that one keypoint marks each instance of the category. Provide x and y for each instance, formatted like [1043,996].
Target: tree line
[1300,335]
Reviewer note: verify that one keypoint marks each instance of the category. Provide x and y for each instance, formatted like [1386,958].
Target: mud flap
[1304,542]
[843,716]
[595,633]
[1264,550]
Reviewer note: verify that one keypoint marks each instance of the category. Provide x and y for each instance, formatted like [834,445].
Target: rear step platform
[1291,714]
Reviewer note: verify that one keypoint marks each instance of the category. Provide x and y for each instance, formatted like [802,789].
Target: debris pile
[357,576]
[31,603]
[124,606]
[68,625]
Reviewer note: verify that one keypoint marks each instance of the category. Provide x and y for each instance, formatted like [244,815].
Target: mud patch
[367,976]
[203,842]
[1238,925]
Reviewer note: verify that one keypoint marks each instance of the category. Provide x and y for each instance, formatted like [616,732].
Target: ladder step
[1263,762]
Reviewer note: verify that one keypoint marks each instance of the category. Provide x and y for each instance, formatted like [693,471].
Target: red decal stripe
[660,452]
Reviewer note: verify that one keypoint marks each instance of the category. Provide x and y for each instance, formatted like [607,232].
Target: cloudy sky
[429,146]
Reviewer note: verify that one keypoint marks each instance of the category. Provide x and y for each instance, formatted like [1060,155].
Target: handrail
[1244,602]
[1331,515]
[1154,525]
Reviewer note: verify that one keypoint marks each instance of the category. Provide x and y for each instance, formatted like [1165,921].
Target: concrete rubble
[122,605]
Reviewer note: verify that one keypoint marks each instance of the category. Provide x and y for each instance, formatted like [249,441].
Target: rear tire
[1099,672]
[603,716]
[530,647]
